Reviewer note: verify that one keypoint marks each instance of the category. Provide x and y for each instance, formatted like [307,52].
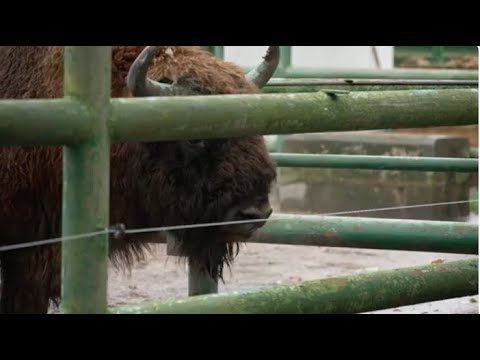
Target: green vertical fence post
[474,152]
[274,142]
[86,183]
[200,283]
[285,60]
[437,54]
[218,51]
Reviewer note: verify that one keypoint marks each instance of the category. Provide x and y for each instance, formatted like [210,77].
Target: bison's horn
[263,73]
[141,86]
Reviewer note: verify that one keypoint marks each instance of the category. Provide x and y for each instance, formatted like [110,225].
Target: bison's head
[206,181]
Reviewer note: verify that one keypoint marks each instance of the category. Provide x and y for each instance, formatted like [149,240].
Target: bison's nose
[255,213]
[252,217]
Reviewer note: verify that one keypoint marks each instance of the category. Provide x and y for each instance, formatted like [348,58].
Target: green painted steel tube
[86,184]
[273,143]
[341,295]
[325,88]
[217,116]
[280,86]
[397,73]
[200,283]
[369,82]
[474,152]
[375,162]
[417,74]
[43,122]
[285,58]
[370,233]
[437,54]
[218,51]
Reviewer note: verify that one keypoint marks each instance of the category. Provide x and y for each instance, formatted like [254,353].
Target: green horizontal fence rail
[342,295]
[369,233]
[370,82]
[404,163]
[337,89]
[217,116]
[87,120]
[424,74]
[278,85]
[44,122]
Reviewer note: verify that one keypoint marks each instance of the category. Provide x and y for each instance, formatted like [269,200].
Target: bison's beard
[207,251]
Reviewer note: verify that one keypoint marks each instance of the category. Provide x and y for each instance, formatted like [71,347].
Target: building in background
[335,57]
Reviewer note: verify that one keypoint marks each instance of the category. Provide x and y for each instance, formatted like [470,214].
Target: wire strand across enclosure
[118,229]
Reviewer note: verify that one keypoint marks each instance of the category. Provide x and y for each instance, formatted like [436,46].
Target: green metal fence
[87,120]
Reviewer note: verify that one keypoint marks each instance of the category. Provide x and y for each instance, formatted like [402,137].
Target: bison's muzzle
[252,217]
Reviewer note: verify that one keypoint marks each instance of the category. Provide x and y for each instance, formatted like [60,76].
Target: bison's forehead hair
[171,63]
[205,72]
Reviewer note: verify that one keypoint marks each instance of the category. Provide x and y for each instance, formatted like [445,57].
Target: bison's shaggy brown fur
[152,184]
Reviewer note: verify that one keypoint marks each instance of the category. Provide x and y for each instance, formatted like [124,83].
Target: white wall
[340,57]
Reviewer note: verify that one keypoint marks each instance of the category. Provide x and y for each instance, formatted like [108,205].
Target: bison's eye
[165,80]
[196,143]
[191,150]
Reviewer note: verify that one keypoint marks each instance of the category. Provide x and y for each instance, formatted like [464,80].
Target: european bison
[152,184]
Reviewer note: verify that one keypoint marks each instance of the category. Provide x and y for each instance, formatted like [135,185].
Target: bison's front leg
[29,280]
